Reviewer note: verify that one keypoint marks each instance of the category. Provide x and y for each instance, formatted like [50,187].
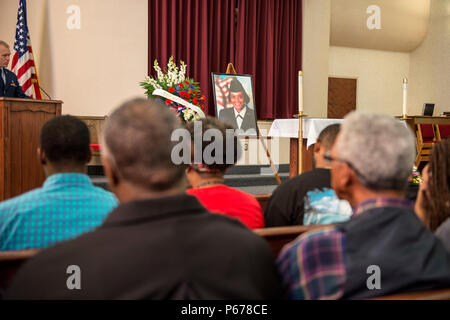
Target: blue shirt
[67,205]
[322,206]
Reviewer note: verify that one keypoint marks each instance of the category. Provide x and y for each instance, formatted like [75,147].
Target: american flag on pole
[23,62]
[222,92]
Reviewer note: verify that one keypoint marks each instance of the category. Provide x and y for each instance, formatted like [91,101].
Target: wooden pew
[10,262]
[441,294]
[263,198]
[279,236]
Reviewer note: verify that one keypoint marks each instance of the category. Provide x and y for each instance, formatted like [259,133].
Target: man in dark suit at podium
[240,116]
[9,85]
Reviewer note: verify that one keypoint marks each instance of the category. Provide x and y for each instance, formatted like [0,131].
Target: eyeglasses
[328,158]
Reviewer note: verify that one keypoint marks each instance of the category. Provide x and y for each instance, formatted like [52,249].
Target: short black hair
[328,136]
[66,139]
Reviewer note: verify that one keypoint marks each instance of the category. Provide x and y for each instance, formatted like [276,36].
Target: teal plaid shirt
[67,205]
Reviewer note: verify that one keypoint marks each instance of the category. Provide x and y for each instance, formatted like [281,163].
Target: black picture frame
[222,83]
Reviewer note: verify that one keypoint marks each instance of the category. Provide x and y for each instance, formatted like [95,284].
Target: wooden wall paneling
[3,114]
[7,168]
[16,152]
[95,126]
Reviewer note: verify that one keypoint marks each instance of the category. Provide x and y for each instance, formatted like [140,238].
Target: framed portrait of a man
[234,102]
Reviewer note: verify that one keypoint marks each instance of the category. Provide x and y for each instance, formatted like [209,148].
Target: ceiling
[403,24]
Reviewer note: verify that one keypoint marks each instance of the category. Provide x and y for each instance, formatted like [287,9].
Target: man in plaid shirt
[67,204]
[370,164]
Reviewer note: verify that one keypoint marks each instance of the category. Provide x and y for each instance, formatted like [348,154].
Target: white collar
[242,113]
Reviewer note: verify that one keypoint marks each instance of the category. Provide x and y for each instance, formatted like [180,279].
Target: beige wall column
[315,52]
[379,76]
[429,73]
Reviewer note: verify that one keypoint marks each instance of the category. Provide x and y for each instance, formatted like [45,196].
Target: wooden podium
[21,121]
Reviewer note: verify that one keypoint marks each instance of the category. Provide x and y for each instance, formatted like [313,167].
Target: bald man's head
[138,145]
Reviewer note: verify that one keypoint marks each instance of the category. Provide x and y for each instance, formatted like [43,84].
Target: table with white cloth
[288,128]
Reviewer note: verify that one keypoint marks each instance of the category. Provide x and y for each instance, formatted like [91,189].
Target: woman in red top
[207,179]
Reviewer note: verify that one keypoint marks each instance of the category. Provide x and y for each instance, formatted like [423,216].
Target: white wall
[92,69]
[402,24]
[379,76]
[430,64]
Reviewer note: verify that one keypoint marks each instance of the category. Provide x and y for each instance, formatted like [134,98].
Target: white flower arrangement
[174,81]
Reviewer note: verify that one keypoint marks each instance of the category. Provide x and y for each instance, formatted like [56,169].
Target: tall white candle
[405,94]
[300,91]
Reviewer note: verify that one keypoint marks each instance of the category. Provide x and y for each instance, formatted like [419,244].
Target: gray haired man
[384,248]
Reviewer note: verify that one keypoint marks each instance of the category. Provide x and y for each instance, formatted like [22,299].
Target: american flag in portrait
[222,84]
[23,62]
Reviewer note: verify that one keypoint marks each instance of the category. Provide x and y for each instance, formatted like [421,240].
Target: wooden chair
[10,262]
[442,294]
[425,142]
[277,237]
[442,131]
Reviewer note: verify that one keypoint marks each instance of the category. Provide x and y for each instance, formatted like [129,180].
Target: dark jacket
[409,256]
[12,88]
[443,233]
[249,121]
[167,248]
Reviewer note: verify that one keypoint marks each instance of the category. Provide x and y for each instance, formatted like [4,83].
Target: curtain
[199,32]
[268,46]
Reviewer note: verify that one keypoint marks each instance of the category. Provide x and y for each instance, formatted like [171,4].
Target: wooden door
[341,97]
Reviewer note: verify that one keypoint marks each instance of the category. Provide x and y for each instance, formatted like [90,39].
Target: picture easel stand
[231,70]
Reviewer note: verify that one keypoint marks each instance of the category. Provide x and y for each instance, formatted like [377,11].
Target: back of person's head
[65,139]
[379,147]
[438,199]
[328,136]
[215,133]
[137,142]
